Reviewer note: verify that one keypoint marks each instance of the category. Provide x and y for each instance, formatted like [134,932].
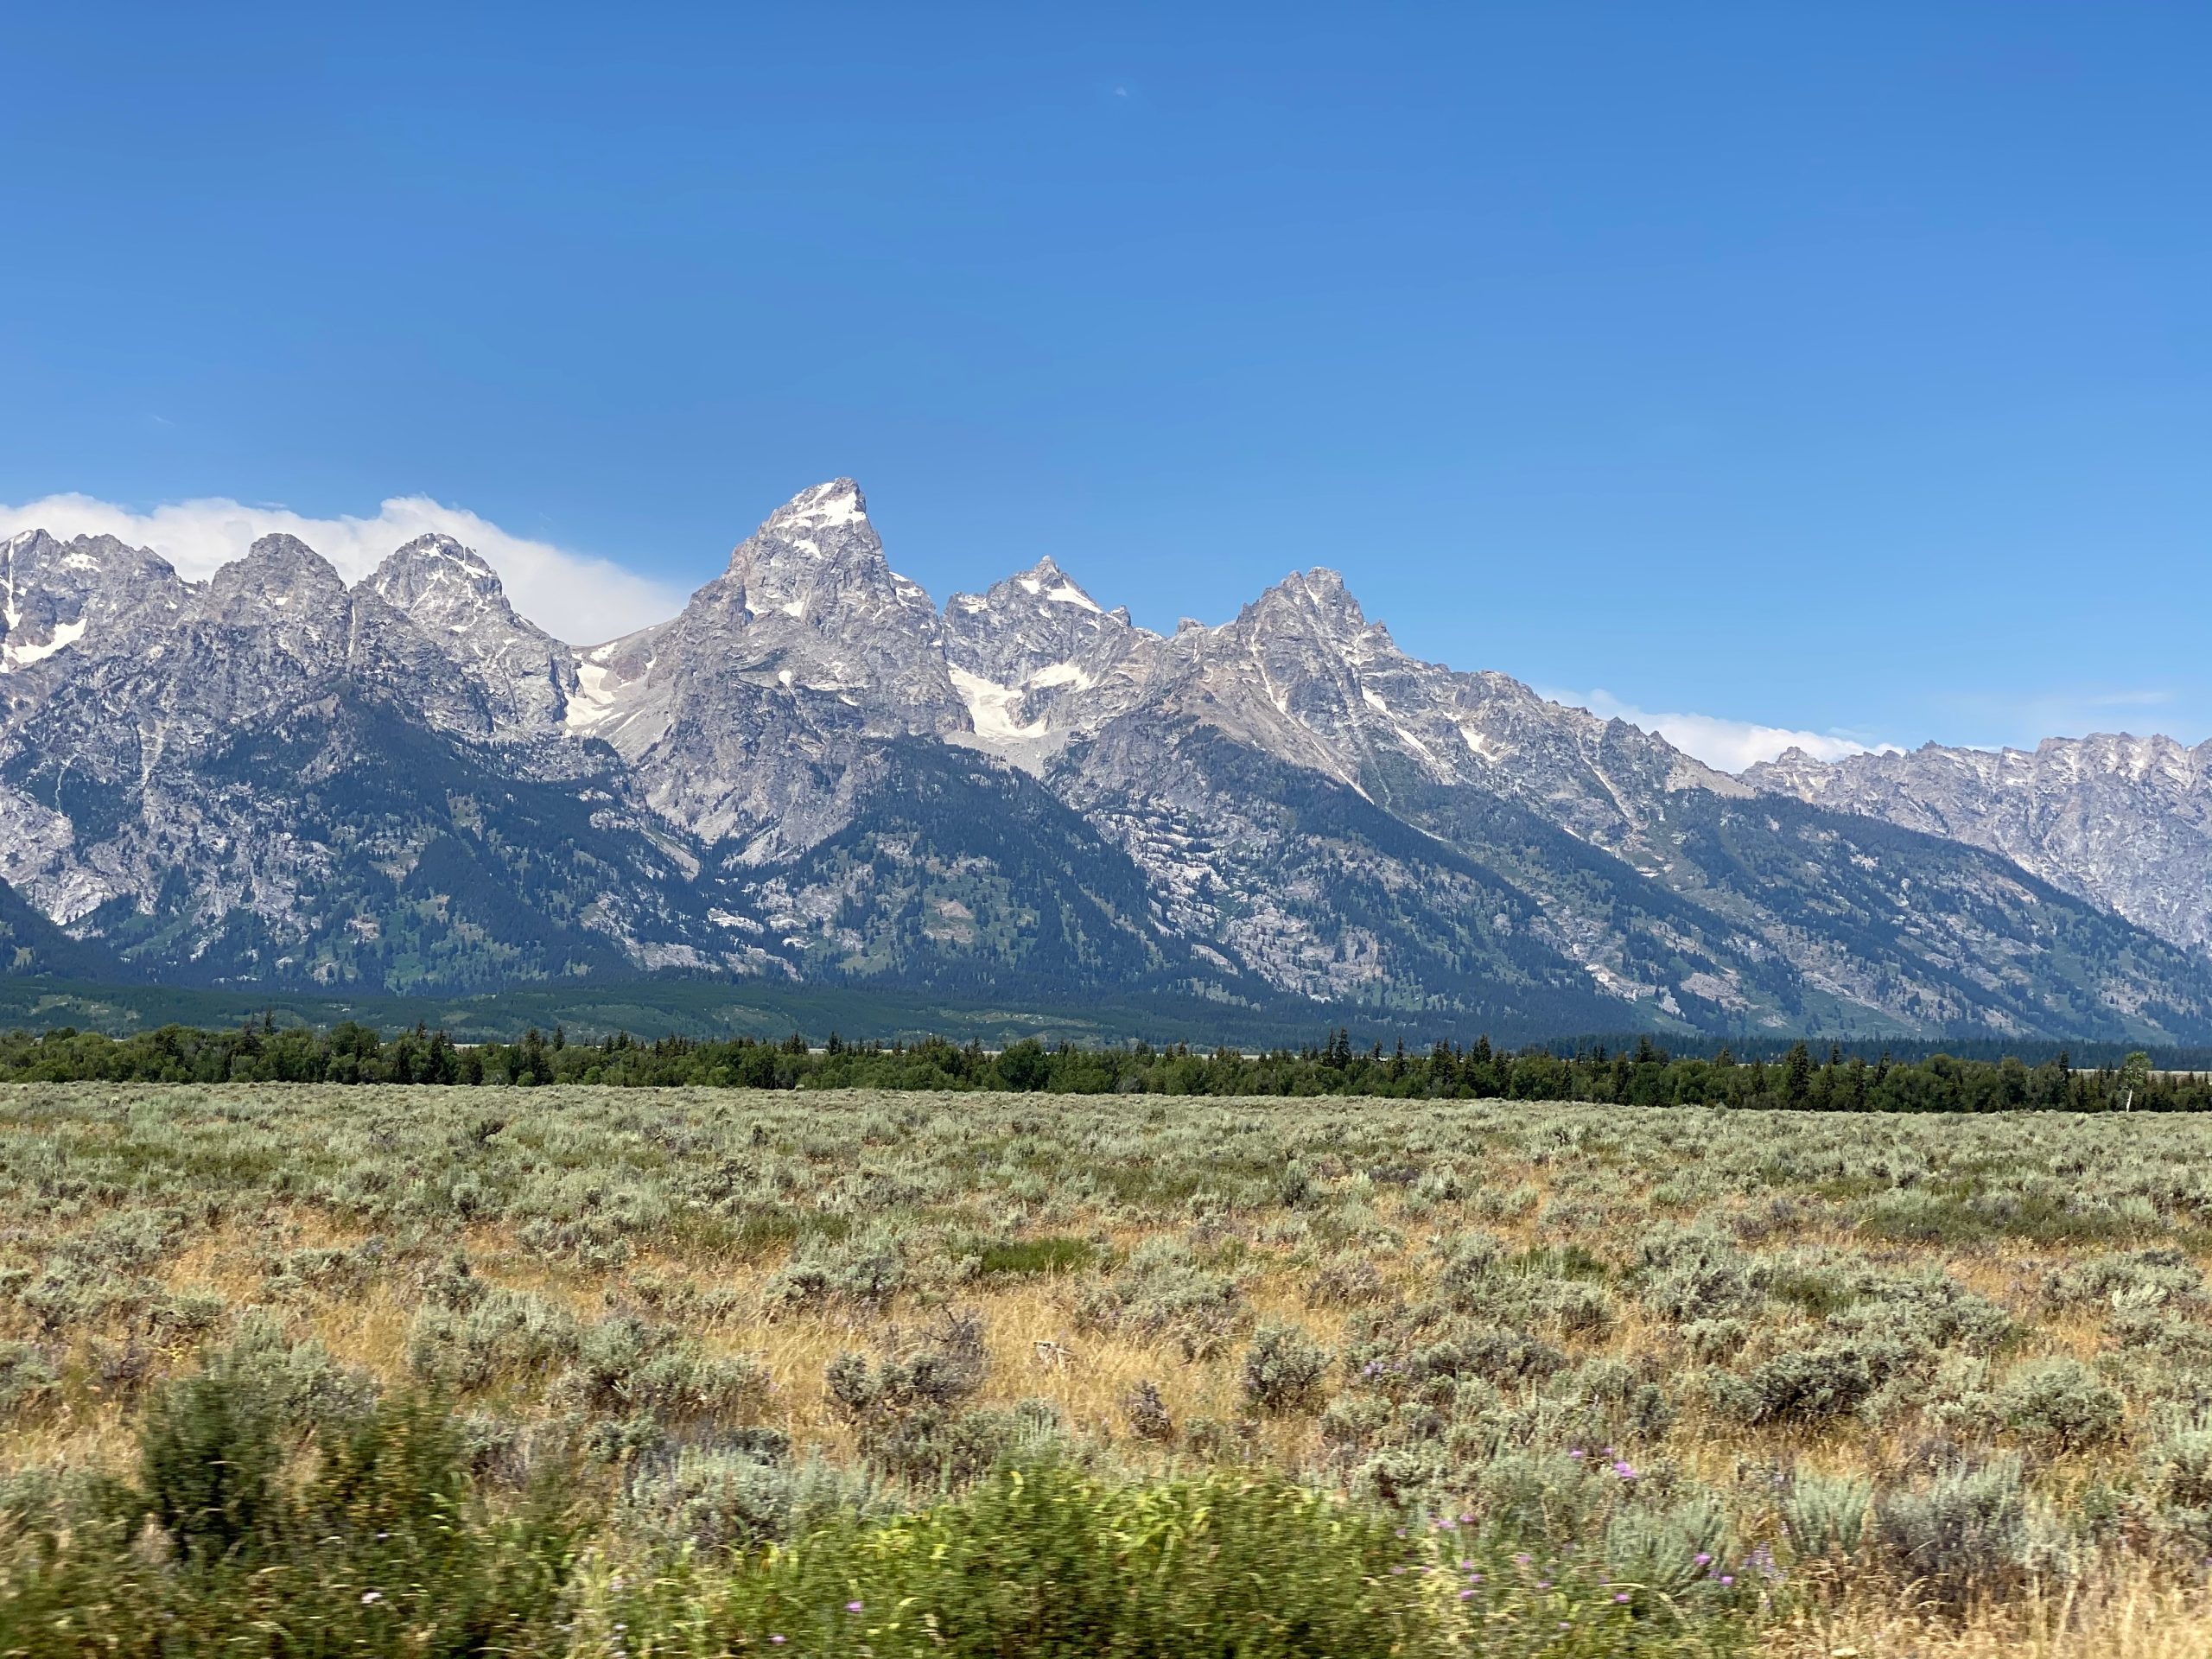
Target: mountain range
[815,775]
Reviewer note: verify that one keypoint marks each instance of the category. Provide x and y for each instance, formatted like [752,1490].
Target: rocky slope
[2123,821]
[812,773]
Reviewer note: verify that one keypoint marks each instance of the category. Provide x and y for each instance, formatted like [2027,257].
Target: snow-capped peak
[436,580]
[1044,580]
[437,546]
[823,506]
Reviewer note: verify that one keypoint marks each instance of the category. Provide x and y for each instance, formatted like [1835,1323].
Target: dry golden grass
[2131,1616]
[1040,1348]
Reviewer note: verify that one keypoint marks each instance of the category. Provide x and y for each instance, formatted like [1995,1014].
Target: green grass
[1027,1258]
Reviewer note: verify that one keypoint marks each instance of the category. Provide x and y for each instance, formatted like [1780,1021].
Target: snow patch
[1060,674]
[65,634]
[1480,746]
[990,707]
[594,698]
[1067,593]
[826,506]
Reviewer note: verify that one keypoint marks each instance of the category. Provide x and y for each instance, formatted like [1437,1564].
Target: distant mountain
[2124,822]
[813,776]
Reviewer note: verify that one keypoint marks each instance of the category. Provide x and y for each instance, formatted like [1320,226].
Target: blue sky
[1843,368]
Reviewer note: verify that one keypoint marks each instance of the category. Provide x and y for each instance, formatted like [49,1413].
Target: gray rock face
[82,595]
[1302,674]
[743,717]
[2123,821]
[1037,661]
[452,597]
[273,776]
[111,781]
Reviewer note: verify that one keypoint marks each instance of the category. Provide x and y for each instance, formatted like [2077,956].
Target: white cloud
[1730,745]
[571,595]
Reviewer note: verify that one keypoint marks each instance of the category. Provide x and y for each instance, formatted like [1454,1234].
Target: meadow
[320,1369]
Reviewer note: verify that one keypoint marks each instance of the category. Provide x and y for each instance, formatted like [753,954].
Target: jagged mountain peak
[434,567]
[56,594]
[1046,582]
[36,556]
[84,549]
[277,570]
[837,501]
[448,594]
[433,547]
[280,555]
[817,548]
[1040,591]
[1315,601]
[1295,798]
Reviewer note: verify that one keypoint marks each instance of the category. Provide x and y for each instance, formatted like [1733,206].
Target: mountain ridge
[2123,821]
[812,773]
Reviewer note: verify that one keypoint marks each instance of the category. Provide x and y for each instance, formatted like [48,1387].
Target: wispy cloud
[2078,712]
[2131,699]
[1730,745]
[572,595]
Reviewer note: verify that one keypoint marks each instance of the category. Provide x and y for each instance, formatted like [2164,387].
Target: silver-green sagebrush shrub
[1825,1515]
[1712,1340]
[2061,1405]
[735,1499]
[1283,1367]
[1804,1385]
[865,1272]
[1962,1536]
[503,1333]
[1668,1550]
[27,1377]
[945,1365]
[1347,1278]
[1161,1293]
[627,1366]
[1688,1275]
[298,1381]
[2180,1469]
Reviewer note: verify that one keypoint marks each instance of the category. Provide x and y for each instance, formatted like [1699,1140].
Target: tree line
[1642,1075]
